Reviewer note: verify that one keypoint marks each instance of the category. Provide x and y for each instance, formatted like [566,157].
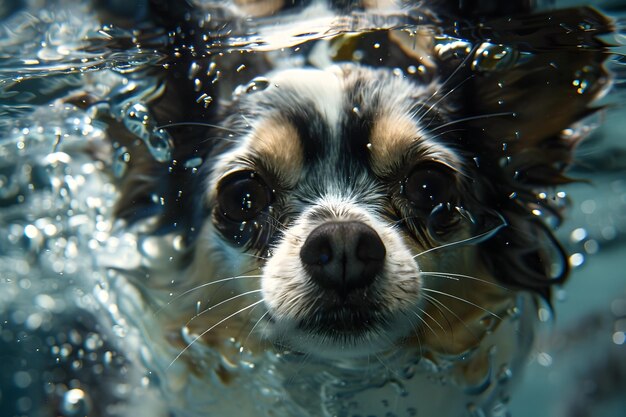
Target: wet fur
[499,166]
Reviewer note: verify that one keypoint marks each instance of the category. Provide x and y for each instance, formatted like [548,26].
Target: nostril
[370,247]
[324,257]
[317,250]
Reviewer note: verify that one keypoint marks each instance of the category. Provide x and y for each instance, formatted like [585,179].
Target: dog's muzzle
[343,256]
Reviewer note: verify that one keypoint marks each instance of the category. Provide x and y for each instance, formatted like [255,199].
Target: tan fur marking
[391,138]
[276,143]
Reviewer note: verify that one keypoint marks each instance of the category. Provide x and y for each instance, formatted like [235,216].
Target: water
[75,340]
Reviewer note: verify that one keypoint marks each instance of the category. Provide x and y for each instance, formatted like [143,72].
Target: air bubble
[24,404]
[514,312]
[22,379]
[488,322]
[544,359]
[121,158]
[493,57]
[31,232]
[544,314]
[505,374]
[588,206]
[159,144]
[618,307]
[591,246]
[193,70]
[9,187]
[93,342]
[448,47]
[576,259]
[211,69]
[75,403]
[193,162]
[609,232]
[585,79]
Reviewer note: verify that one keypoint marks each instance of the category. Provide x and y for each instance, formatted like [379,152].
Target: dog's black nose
[343,256]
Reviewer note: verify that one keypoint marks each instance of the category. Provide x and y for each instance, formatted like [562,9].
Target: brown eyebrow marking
[391,137]
[276,145]
[394,137]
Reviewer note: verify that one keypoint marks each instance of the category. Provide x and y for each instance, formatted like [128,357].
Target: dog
[357,241]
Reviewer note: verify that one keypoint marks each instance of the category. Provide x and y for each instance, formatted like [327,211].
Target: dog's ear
[169,190]
[558,73]
[555,72]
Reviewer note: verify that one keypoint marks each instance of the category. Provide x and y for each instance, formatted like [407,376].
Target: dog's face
[339,184]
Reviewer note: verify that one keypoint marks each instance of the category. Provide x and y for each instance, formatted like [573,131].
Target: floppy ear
[556,74]
[170,189]
[559,72]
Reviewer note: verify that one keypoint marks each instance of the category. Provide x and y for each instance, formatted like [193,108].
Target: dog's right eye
[242,196]
[428,186]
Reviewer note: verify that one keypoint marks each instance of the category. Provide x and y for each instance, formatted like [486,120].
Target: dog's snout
[343,256]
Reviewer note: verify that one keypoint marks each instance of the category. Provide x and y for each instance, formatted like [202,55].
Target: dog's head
[376,206]
[359,205]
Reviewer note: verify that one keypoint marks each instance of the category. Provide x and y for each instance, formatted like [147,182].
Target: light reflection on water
[69,324]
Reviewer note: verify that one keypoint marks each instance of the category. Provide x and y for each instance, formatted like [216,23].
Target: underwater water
[71,339]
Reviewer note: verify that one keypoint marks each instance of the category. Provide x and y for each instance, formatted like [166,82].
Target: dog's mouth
[343,316]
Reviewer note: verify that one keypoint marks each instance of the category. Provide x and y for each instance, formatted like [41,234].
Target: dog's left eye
[428,186]
[243,195]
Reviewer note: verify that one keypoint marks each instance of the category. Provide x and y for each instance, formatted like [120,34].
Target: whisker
[284,228]
[387,368]
[281,227]
[252,255]
[456,277]
[463,300]
[206,284]
[221,138]
[245,342]
[222,302]
[429,316]
[451,76]
[425,323]
[195,339]
[440,134]
[415,331]
[201,124]
[298,367]
[474,239]
[477,117]
[434,302]
[434,105]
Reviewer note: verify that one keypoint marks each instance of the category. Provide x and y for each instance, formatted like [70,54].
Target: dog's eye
[242,196]
[428,186]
